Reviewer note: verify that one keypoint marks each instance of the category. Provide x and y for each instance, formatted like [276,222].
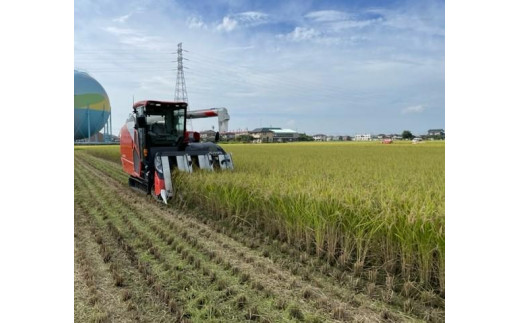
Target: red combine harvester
[154,141]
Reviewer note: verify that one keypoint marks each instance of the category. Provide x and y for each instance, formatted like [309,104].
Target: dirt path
[178,267]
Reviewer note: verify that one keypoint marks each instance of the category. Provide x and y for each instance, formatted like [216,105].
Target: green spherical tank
[91,105]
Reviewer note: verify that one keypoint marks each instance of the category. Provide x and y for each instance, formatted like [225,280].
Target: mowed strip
[85,291]
[251,267]
[200,290]
[123,283]
[97,297]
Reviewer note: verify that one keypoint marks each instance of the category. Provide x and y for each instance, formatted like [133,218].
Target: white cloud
[302,33]
[413,109]
[227,24]
[122,19]
[243,19]
[236,49]
[252,17]
[326,15]
[347,24]
[196,23]
[141,41]
[338,21]
[120,31]
[134,37]
[431,23]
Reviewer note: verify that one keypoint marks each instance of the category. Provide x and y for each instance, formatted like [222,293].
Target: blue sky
[333,67]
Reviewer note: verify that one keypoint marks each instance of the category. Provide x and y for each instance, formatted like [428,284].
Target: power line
[209,69]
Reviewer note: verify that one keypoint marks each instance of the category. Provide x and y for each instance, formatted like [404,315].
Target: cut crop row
[136,273]
[162,261]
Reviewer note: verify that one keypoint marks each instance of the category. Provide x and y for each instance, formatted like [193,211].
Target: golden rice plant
[358,204]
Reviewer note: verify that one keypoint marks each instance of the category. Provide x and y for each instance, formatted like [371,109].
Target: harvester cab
[154,143]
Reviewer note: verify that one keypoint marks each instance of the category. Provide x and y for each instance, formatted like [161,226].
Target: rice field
[360,205]
[367,216]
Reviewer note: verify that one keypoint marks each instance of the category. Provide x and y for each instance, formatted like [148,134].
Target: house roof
[274,130]
[261,130]
[282,130]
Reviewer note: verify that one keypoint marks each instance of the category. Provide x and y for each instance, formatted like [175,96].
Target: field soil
[138,260]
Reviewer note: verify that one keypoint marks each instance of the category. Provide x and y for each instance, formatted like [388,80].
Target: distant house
[279,134]
[285,135]
[439,133]
[227,136]
[207,135]
[363,137]
[334,138]
[320,137]
[262,135]
[241,133]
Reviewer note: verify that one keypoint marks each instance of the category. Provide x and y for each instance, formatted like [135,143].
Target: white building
[364,137]
[284,135]
[319,137]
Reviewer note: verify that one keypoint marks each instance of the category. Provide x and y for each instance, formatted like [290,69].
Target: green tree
[407,135]
[305,137]
[244,138]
